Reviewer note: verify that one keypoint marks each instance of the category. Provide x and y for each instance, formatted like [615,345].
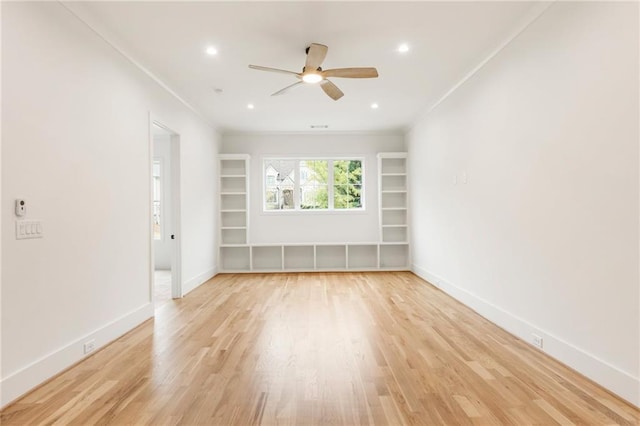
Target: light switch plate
[28,229]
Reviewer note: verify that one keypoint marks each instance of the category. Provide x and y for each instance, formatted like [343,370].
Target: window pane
[347,179]
[313,184]
[157,192]
[355,198]
[271,199]
[340,168]
[280,176]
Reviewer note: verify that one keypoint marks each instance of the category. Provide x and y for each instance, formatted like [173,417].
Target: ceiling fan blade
[315,56]
[259,68]
[331,90]
[286,89]
[351,73]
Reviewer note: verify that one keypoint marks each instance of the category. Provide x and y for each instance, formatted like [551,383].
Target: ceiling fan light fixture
[312,78]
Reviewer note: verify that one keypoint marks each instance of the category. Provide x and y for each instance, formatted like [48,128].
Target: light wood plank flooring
[352,348]
[161,286]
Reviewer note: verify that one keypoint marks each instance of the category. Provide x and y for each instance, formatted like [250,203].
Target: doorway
[165,214]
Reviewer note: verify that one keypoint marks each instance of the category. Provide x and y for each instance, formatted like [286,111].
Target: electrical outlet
[89,346]
[536,340]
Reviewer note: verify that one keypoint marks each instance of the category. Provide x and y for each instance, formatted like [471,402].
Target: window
[314,191]
[157,192]
[347,184]
[313,184]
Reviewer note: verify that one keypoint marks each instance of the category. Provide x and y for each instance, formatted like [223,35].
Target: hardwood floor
[352,348]
[161,286]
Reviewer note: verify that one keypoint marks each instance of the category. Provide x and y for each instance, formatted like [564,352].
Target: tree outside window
[347,184]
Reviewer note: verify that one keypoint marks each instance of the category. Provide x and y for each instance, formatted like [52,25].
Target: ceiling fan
[312,73]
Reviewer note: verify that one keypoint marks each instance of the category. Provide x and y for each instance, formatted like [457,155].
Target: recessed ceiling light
[403,48]
[319,126]
[250,106]
[374,106]
[212,50]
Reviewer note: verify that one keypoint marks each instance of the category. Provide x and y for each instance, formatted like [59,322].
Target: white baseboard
[610,377]
[198,280]
[22,381]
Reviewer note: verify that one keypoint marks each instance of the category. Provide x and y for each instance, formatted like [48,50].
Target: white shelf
[391,164]
[266,258]
[394,216]
[230,220]
[331,257]
[394,256]
[233,202]
[299,257]
[235,254]
[362,256]
[235,259]
[394,200]
[233,165]
[310,257]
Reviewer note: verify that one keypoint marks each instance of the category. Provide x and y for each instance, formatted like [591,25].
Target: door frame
[175,227]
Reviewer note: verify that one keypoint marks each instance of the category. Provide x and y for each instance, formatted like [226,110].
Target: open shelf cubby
[234,259]
[394,256]
[233,201]
[394,199]
[393,165]
[234,236]
[394,234]
[331,257]
[232,167]
[233,219]
[393,182]
[362,256]
[266,258]
[299,257]
[394,217]
[236,184]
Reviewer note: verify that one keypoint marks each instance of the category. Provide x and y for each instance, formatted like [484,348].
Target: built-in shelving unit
[235,254]
[394,220]
[238,254]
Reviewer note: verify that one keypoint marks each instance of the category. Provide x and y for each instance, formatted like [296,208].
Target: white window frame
[330,184]
[160,161]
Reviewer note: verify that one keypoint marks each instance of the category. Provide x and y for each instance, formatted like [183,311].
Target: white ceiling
[447,40]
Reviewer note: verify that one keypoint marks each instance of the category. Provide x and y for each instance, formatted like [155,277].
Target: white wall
[75,145]
[277,227]
[162,247]
[544,236]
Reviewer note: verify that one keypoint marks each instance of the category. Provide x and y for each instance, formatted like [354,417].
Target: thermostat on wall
[21,208]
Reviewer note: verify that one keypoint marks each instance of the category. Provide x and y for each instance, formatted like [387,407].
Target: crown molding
[534,13]
[75,9]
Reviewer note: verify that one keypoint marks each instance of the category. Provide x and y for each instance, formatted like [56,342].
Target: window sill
[312,212]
